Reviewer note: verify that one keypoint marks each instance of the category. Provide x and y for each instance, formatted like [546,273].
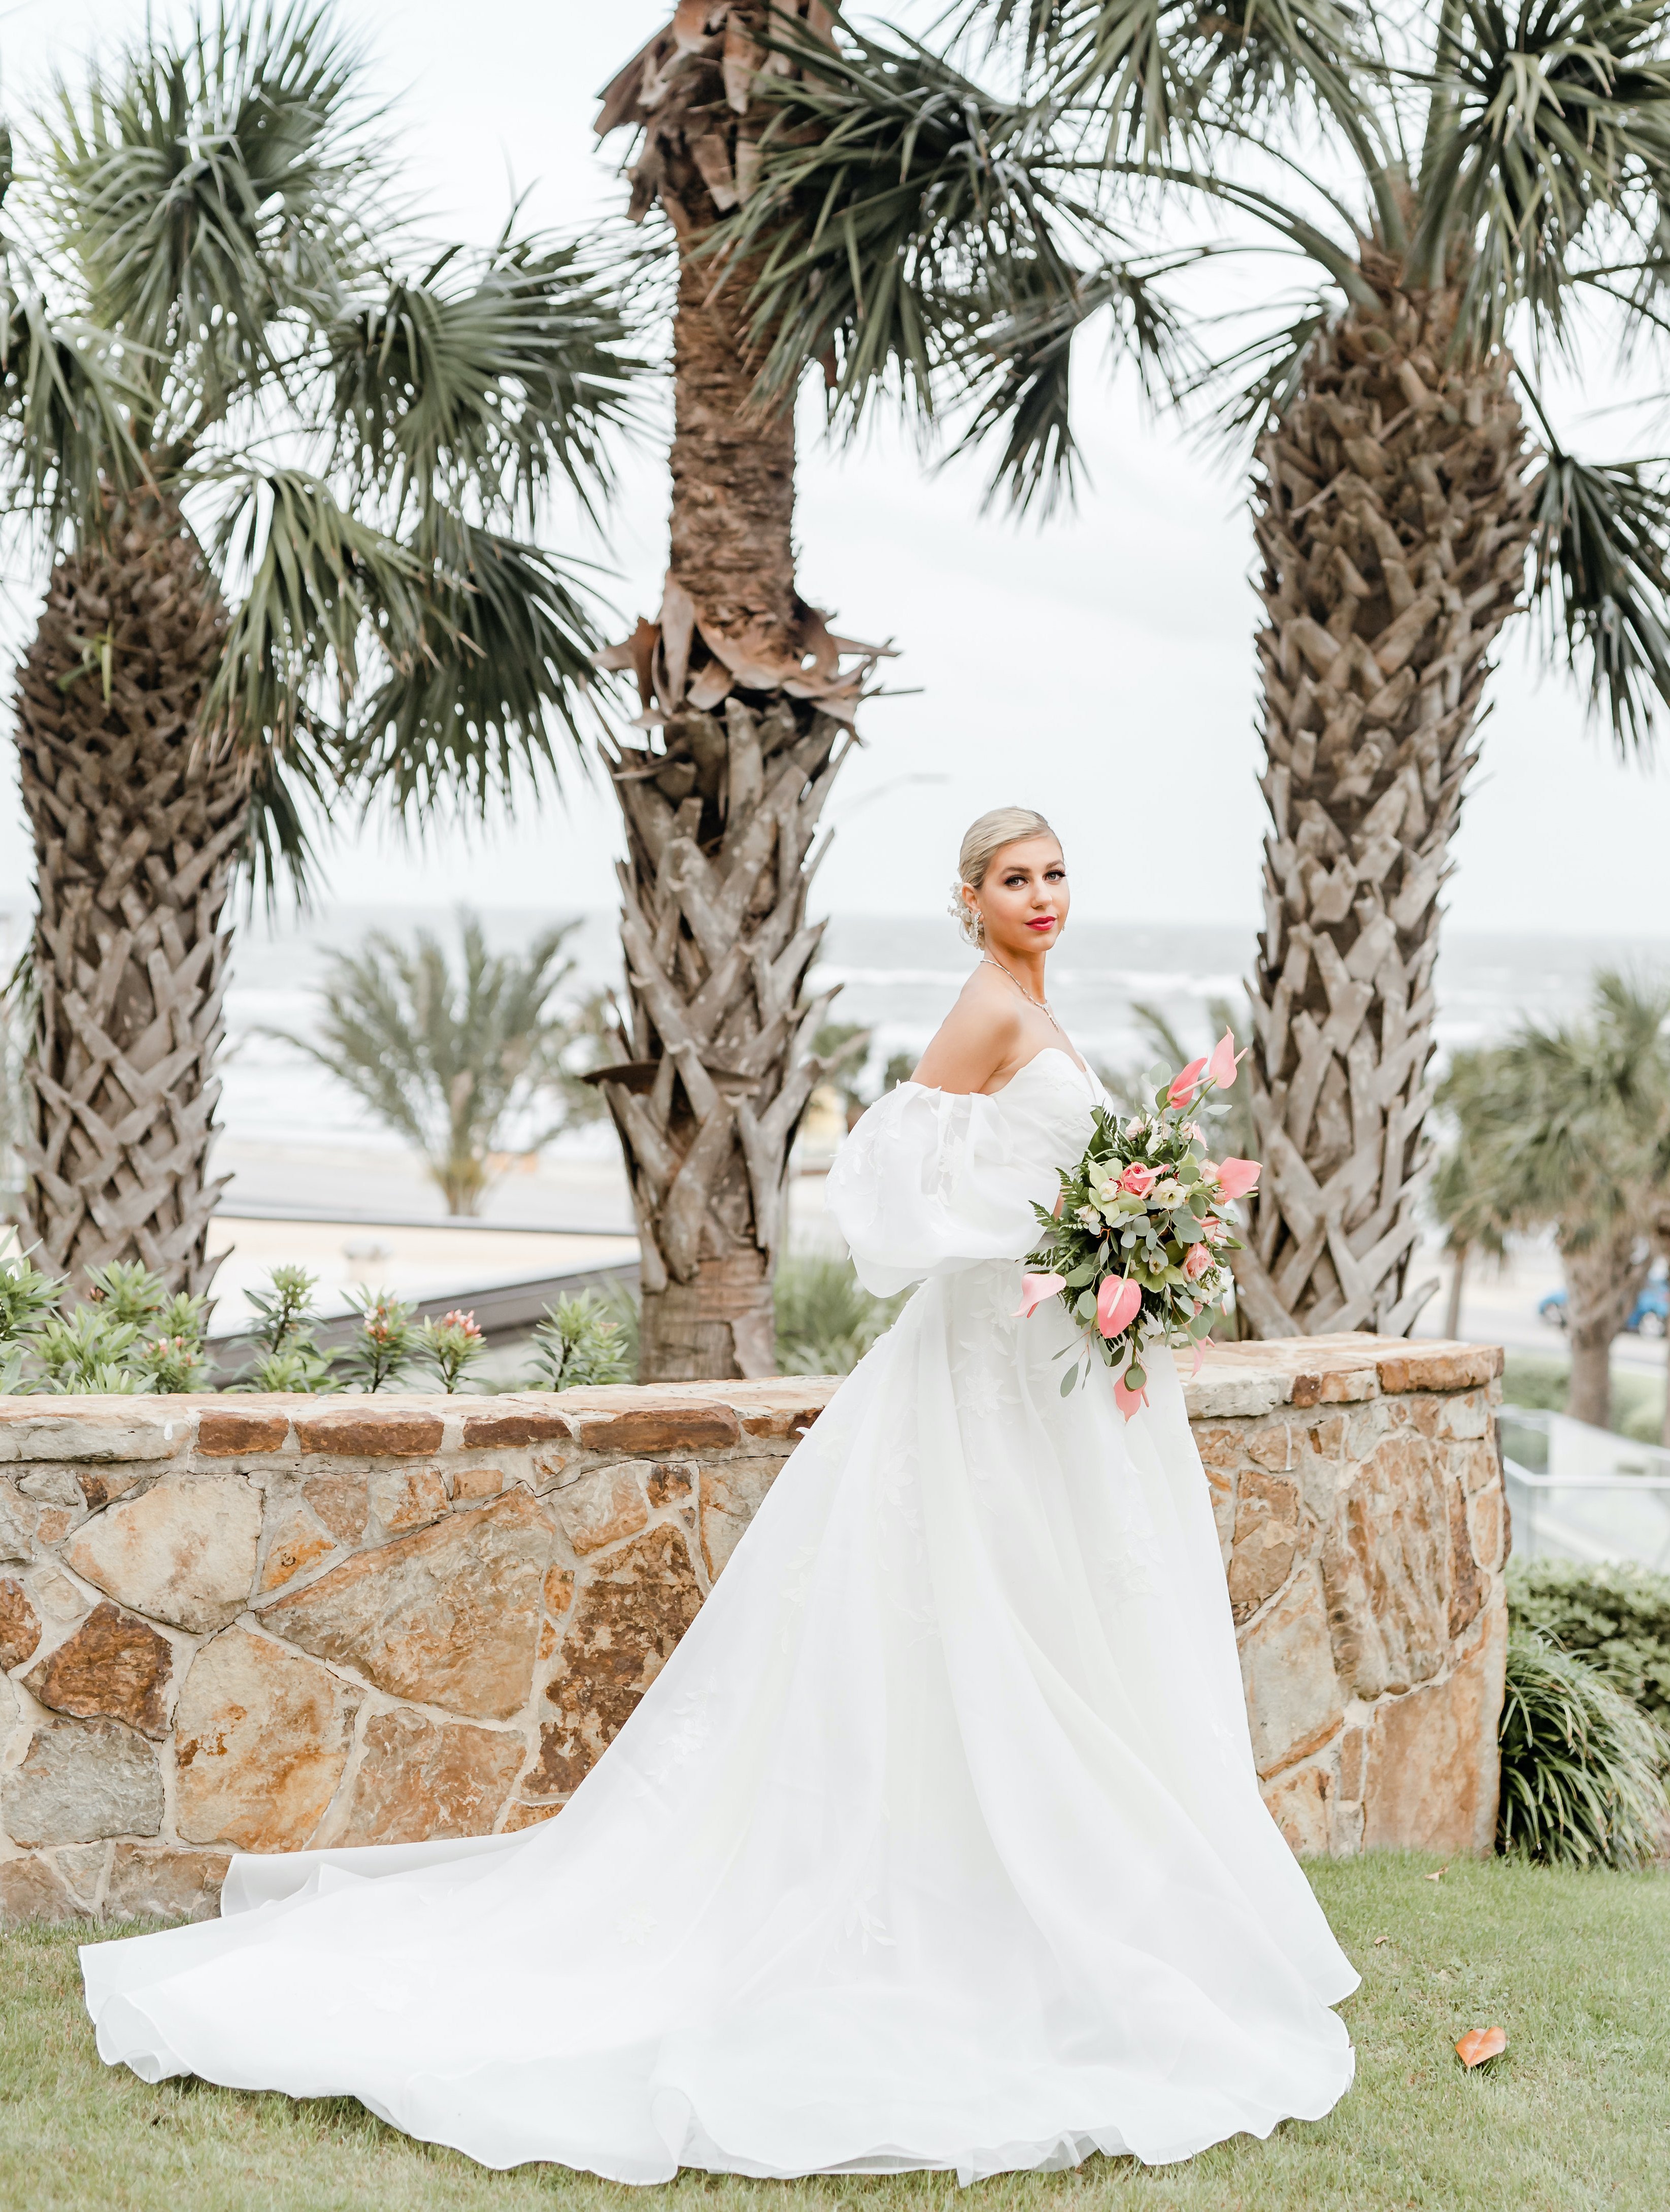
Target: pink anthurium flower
[1184,1084]
[1221,1068]
[1118,1302]
[1236,1177]
[1129,1401]
[1035,1289]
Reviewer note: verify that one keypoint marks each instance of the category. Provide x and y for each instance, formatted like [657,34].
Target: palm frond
[1016,367]
[1549,121]
[1260,380]
[68,403]
[320,584]
[503,377]
[888,189]
[1155,75]
[490,683]
[1602,578]
[211,186]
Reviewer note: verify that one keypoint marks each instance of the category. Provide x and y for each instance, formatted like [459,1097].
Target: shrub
[451,1346]
[576,1343]
[826,1320]
[387,1344]
[129,1336]
[1582,1766]
[1543,1380]
[1616,1619]
[289,1357]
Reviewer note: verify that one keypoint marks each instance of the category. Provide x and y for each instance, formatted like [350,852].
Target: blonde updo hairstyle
[981,844]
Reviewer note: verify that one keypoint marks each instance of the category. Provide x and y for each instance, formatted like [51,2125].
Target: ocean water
[896,974]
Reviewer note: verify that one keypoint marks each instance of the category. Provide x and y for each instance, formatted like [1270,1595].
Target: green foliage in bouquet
[1582,1766]
[1137,1247]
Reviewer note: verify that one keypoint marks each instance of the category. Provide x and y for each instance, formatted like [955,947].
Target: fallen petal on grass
[1439,1876]
[1479,2044]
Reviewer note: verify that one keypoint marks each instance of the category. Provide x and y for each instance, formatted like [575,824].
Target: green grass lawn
[1576,1967]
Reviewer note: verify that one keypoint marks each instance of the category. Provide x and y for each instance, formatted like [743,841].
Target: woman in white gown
[951,1778]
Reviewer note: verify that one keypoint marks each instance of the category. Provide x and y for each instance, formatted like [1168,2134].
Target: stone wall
[262,1623]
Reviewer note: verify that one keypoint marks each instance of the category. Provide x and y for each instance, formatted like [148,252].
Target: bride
[937,1844]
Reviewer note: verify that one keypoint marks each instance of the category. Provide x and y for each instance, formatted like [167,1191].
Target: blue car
[1649,1316]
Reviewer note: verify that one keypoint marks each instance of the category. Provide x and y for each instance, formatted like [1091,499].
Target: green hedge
[1615,1619]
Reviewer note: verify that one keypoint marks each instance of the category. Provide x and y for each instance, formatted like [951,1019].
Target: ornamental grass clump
[1582,1767]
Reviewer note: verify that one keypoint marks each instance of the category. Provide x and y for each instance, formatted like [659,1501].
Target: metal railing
[1578,1508]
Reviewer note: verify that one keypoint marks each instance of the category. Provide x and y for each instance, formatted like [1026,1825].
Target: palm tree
[1563,1128]
[1502,172]
[1461,1192]
[748,703]
[748,699]
[287,483]
[454,1063]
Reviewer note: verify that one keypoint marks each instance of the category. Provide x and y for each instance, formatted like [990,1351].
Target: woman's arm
[975,1044]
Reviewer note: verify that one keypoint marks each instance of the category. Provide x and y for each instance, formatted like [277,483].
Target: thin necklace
[1042,1005]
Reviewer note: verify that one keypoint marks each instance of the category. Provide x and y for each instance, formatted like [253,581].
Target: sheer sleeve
[931,1183]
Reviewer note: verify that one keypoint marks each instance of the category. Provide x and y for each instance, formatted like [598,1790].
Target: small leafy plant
[387,1345]
[1582,1767]
[128,1335]
[451,1347]
[286,1331]
[576,1343]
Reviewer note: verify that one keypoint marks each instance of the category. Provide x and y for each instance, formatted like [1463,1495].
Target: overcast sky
[1072,667]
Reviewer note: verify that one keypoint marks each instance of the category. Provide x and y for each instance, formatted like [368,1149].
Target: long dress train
[937,1843]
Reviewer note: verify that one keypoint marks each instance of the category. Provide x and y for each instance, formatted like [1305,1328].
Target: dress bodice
[931,1183]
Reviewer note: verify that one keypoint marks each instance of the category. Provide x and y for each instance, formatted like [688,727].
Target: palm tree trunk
[1603,1278]
[136,830]
[747,714]
[1394,521]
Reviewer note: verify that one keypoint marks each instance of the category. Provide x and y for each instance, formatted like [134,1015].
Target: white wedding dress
[938,1842]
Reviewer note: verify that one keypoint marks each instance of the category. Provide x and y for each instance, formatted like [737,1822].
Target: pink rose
[1118,1302]
[1236,1177]
[1139,1181]
[1035,1289]
[1199,1259]
[1186,1083]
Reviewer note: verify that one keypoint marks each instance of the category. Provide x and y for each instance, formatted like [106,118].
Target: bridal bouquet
[1138,1247]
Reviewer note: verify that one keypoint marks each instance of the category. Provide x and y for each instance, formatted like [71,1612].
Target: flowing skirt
[937,1844]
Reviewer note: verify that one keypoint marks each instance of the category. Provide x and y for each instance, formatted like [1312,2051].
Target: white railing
[1602,1497]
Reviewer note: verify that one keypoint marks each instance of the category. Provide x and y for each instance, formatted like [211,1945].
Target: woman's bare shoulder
[975,1039]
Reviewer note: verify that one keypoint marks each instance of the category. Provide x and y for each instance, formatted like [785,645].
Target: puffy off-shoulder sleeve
[933,1181]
